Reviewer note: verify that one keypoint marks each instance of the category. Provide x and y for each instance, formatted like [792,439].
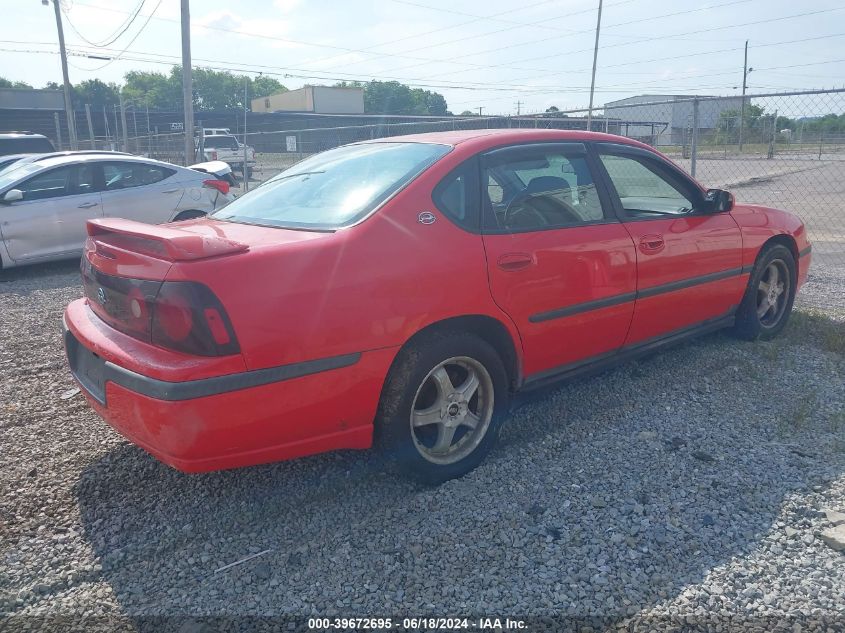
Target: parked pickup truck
[226,147]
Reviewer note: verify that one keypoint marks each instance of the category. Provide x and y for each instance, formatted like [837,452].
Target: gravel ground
[688,485]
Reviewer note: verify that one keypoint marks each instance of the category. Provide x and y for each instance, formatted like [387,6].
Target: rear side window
[535,188]
[25,145]
[126,175]
[457,195]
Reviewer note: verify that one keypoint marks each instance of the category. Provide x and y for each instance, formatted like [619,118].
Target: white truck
[226,147]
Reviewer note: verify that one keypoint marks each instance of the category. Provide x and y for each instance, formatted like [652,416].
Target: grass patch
[818,329]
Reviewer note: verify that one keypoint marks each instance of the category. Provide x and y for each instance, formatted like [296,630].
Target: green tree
[265,86]
[392,97]
[154,90]
[466,113]
[552,109]
[96,93]
[5,83]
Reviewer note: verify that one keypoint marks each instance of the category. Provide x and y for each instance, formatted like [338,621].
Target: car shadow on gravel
[48,276]
[607,496]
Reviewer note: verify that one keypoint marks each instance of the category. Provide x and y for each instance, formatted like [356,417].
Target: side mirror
[13,195]
[719,200]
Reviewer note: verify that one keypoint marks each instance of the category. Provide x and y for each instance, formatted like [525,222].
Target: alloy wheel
[772,293]
[452,410]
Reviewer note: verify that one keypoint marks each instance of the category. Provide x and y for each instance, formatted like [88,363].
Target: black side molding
[805,251]
[642,293]
[165,390]
[93,372]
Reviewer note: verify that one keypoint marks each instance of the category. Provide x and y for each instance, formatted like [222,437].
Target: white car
[45,204]
[227,148]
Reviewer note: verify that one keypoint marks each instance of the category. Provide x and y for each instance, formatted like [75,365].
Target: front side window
[333,189]
[126,175]
[49,184]
[642,191]
[538,188]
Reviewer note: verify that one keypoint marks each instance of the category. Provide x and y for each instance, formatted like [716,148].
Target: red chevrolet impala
[400,291]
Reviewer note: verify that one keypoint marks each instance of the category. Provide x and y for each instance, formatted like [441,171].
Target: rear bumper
[226,421]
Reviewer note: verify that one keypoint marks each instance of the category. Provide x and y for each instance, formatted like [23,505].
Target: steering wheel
[519,202]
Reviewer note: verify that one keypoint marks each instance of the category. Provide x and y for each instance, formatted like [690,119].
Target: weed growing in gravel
[816,328]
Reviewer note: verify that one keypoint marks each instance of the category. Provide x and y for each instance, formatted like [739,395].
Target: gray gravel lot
[689,484]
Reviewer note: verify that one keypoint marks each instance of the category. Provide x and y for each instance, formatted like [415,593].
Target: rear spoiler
[163,242]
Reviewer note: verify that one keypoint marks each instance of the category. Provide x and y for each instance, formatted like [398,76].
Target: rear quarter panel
[367,287]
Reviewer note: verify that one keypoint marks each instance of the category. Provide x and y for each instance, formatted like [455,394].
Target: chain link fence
[785,150]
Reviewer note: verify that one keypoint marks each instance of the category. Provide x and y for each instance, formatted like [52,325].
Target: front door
[51,218]
[689,259]
[559,263]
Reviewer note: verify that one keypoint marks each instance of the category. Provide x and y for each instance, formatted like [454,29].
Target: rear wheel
[768,300]
[442,406]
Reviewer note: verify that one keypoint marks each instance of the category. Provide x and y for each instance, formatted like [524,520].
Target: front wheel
[442,406]
[768,300]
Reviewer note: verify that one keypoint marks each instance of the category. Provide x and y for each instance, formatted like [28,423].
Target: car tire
[764,310]
[442,406]
[188,215]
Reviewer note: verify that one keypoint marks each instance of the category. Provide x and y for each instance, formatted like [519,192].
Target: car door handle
[514,261]
[87,205]
[652,244]
[171,191]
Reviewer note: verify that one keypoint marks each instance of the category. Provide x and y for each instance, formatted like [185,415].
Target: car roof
[484,138]
[21,135]
[80,157]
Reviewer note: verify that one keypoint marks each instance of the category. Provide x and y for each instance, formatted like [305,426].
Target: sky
[503,56]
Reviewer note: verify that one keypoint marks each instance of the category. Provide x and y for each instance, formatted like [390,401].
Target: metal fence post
[90,125]
[694,148]
[59,132]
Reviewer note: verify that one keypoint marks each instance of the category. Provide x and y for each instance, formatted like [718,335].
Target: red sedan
[402,290]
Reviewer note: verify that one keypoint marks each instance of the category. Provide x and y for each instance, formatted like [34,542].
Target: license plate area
[88,368]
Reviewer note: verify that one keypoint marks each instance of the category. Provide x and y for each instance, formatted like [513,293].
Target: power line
[576,32]
[131,42]
[111,39]
[661,37]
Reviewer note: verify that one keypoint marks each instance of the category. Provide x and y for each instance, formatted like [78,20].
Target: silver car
[45,204]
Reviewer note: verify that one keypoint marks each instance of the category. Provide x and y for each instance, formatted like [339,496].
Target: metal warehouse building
[674,112]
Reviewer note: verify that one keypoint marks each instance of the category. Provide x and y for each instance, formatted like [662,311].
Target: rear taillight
[189,318]
[221,185]
[212,155]
[180,315]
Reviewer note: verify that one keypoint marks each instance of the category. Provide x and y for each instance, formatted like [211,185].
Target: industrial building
[315,99]
[673,113]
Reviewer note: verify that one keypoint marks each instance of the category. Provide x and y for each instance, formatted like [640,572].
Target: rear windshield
[220,142]
[333,189]
[25,145]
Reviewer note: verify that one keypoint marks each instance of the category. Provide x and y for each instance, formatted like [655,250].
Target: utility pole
[123,123]
[187,89]
[593,81]
[245,171]
[480,108]
[71,123]
[745,71]
[518,105]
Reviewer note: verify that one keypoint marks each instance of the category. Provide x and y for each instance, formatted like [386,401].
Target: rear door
[50,220]
[689,260]
[560,263]
[146,192]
